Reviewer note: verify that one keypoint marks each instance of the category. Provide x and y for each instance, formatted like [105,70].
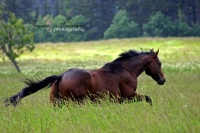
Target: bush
[182,29]
[159,26]
[195,30]
[78,22]
[57,22]
[122,27]
[40,32]
[62,29]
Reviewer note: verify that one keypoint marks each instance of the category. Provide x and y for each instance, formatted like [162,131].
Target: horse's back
[76,73]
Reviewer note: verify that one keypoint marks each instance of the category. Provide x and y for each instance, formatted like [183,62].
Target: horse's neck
[137,66]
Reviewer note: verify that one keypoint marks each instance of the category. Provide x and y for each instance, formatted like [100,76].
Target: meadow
[176,106]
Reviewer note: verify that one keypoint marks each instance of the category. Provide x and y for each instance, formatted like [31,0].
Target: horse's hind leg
[54,94]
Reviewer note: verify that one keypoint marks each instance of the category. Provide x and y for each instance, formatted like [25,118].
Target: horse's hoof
[148,99]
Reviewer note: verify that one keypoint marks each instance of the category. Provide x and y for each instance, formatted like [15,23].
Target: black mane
[132,53]
[115,66]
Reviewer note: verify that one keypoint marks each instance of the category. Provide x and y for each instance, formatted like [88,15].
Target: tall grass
[175,104]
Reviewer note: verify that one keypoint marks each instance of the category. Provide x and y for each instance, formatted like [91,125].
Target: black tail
[31,88]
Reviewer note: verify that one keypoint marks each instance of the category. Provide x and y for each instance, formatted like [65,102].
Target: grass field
[176,105]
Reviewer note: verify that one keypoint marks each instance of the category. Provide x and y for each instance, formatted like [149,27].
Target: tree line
[78,20]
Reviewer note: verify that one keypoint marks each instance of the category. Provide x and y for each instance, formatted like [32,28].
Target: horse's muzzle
[161,82]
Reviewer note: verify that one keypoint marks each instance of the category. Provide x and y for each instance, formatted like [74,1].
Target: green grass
[176,106]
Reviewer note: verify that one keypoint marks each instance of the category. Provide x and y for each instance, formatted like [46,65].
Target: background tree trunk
[15,64]
[11,59]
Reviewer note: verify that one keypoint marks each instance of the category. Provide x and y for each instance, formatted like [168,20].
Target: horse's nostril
[161,81]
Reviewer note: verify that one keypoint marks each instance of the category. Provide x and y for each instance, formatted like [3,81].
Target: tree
[14,38]
[58,36]
[46,7]
[78,23]
[21,8]
[183,29]
[122,27]
[101,16]
[159,25]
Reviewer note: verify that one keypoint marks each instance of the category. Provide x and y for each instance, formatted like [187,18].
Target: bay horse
[118,78]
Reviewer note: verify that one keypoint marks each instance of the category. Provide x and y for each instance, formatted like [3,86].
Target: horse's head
[154,69]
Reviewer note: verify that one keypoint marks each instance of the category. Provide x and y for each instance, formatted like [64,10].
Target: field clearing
[176,106]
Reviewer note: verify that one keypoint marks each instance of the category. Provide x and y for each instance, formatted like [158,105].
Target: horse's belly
[103,84]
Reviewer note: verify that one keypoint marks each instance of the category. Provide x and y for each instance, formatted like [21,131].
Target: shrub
[122,27]
[159,25]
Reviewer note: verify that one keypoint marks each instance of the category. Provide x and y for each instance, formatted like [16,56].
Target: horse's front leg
[140,97]
[129,91]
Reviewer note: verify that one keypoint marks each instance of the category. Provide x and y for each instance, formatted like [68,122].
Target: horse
[118,78]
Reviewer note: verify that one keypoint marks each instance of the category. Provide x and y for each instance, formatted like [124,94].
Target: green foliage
[195,31]
[158,25]
[21,8]
[161,26]
[78,23]
[42,28]
[122,27]
[170,18]
[62,29]
[58,36]
[182,29]
[14,38]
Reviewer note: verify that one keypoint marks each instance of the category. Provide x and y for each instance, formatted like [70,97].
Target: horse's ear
[155,54]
